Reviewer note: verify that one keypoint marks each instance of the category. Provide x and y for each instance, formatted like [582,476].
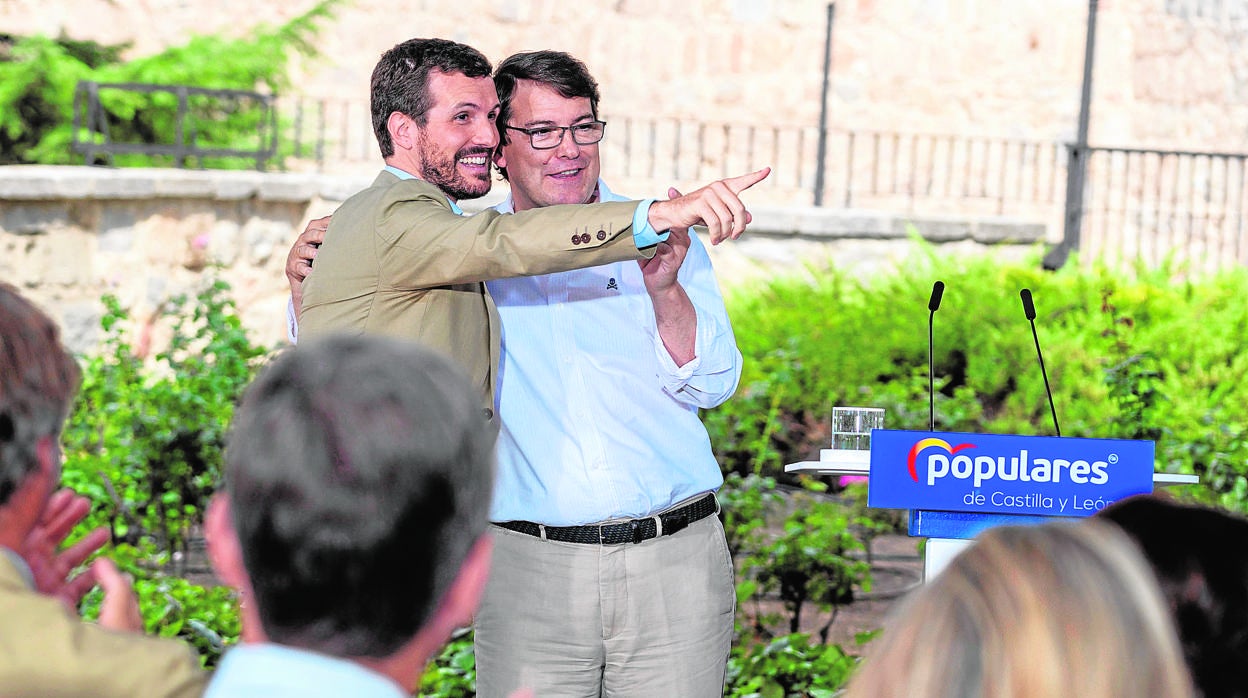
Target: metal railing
[177,122]
[906,172]
[1138,205]
[1157,206]
[928,173]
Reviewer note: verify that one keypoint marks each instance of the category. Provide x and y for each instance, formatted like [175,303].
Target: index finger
[740,183]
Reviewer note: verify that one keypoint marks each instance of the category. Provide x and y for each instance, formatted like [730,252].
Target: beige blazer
[398,261]
[47,652]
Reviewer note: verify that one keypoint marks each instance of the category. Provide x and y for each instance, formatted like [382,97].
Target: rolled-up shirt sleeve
[713,374]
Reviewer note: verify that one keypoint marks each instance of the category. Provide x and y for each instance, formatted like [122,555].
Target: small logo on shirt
[611,285]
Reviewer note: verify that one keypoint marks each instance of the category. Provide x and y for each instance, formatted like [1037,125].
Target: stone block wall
[1169,73]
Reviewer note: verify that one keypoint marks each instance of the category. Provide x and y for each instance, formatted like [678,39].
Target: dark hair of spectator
[359,472]
[38,379]
[1200,557]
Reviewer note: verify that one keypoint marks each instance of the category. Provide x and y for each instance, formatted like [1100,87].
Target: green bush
[1144,355]
[1129,356]
[146,437]
[38,76]
[145,442]
[787,667]
[453,673]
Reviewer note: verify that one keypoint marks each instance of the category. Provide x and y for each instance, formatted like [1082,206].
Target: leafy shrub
[453,673]
[1144,355]
[809,561]
[38,76]
[146,437]
[789,666]
[145,442]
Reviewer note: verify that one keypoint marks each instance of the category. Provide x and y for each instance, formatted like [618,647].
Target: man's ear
[500,160]
[464,596]
[20,513]
[47,476]
[402,130]
[224,551]
[226,555]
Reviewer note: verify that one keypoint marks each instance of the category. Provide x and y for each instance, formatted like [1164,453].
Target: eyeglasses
[547,137]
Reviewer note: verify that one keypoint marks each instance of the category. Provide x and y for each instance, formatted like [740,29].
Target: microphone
[1029,309]
[933,304]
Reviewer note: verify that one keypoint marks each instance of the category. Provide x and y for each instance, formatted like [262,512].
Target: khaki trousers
[652,619]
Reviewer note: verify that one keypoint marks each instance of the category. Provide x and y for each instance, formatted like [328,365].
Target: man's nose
[486,134]
[568,147]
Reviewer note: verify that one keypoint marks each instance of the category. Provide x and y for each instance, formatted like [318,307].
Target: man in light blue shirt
[612,575]
[357,481]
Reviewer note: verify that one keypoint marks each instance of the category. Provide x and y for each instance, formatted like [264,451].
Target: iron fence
[1138,205]
[173,122]
[920,173]
[1165,206]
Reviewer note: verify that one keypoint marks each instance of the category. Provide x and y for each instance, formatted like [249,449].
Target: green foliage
[205,617]
[145,440]
[38,77]
[744,503]
[144,443]
[868,523]
[453,673]
[1143,356]
[1146,355]
[810,561]
[789,666]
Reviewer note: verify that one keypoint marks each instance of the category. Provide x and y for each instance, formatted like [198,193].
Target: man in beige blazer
[45,649]
[400,259]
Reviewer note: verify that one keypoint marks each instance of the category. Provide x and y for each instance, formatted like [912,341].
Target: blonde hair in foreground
[1032,612]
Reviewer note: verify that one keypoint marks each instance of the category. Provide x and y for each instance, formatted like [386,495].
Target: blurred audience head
[1045,611]
[1200,557]
[358,478]
[38,379]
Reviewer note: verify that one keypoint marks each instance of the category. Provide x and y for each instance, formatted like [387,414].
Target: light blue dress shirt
[276,671]
[598,422]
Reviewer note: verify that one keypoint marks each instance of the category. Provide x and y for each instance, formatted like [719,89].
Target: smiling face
[454,146]
[566,174]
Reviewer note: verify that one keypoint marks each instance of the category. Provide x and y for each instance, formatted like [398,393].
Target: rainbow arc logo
[924,444]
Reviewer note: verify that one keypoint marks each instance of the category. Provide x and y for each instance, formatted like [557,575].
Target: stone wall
[68,235]
[1169,73]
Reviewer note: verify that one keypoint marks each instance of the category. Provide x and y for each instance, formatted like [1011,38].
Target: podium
[956,485]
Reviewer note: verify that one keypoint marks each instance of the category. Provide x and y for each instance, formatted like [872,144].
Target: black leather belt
[631,531]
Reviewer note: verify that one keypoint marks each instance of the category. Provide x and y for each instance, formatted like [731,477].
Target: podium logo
[982,468]
[924,444]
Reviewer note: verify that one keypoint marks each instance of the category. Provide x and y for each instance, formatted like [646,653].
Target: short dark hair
[556,69]
[401,80]
[359,472]
[38,379]
[1200,557]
